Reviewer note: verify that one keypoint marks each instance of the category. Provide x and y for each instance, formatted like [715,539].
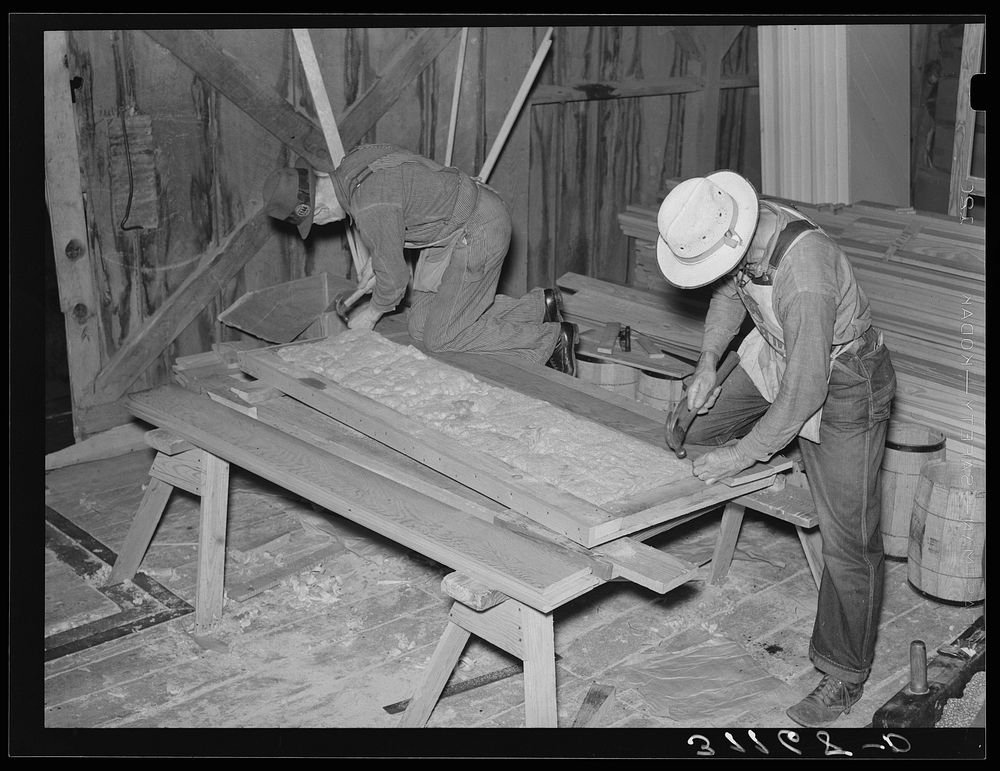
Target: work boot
[553,305]
[826,703]
[563,357]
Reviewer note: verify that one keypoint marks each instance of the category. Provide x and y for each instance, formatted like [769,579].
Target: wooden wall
[173,147]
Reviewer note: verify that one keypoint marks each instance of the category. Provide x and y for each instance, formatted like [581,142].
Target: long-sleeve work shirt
[818,304]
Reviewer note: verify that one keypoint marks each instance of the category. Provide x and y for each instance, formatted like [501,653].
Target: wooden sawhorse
[506,623]
[179,464]
[786,500]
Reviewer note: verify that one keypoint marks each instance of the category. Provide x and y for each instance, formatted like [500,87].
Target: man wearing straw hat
[813,366]
[400,200]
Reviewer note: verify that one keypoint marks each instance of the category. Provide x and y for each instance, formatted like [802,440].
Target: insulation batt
[582,457]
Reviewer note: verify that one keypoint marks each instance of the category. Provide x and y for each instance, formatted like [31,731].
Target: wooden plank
[217,267]
[120,440]
[523,569]
[78,296]
[647,566]
[560,511]
[325,433]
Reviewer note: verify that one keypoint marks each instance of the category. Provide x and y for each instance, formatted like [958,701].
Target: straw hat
[705,225]
[290,195]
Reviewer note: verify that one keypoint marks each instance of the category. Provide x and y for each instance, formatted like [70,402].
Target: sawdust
[546,442]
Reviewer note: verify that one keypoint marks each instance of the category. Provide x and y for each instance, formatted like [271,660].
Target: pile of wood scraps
[924,276]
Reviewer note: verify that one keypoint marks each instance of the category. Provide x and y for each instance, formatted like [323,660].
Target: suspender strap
[789,234]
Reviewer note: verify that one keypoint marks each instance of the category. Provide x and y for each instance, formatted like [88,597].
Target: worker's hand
[702,390]
[720,464]
[364,317]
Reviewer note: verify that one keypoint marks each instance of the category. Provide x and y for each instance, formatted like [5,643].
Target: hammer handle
[684,416]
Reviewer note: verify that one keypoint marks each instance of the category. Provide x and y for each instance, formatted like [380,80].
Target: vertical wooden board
[508,55]
[578,183]
[78,297]
[616,160]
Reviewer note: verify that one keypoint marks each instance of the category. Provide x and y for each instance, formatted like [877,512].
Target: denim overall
[842,447]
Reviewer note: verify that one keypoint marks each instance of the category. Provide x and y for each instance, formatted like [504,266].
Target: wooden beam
[245,89]
[588,91]
[215,270]
[275,114]
[64,197]
[120,440]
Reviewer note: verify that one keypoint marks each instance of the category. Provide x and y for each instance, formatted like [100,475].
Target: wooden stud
[212,545]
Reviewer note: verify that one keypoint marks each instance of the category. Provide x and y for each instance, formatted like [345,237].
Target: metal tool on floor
[681,417]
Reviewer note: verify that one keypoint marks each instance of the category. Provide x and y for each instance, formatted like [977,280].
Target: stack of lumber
[924,275]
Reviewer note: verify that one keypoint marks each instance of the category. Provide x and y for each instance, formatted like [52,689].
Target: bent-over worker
[400,200]
[813,366]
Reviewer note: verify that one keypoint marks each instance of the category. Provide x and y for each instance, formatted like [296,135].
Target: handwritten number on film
[790,741]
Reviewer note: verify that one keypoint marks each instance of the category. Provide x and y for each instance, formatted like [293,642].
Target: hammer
[344,301]
[681,416]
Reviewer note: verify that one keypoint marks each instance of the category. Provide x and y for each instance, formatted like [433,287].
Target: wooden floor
[327,625]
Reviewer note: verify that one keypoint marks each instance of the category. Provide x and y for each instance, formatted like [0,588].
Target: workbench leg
[140,532]
[539,669]
[812,545]
[212,544]
[439,669]
[725,546]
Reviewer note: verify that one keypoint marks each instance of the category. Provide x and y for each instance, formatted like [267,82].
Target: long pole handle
[459,69]
[515,108]
[359,255]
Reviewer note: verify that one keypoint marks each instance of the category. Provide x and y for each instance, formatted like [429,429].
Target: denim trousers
[844,474]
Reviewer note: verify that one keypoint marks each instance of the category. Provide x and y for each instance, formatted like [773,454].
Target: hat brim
[306,224]
[686,275]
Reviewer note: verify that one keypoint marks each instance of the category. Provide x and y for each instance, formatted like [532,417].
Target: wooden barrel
[948,531]
[658,390]
[908,448]
[607,374]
